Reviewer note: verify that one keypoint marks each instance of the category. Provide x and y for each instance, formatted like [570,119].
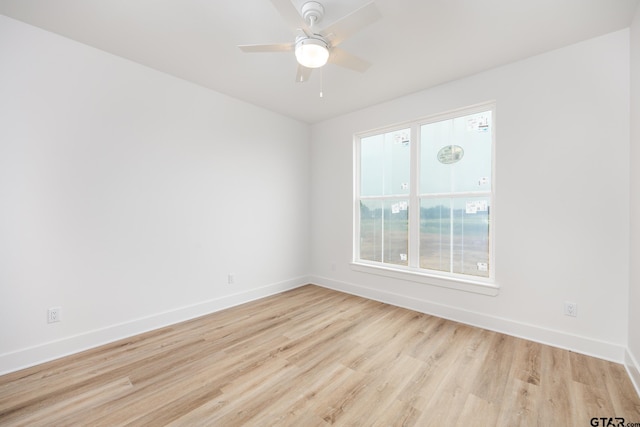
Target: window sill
[479,286]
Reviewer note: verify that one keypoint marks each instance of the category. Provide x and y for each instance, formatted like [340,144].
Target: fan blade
[345,27]
[291,15]
[282,47]
[303,74]
[347,60]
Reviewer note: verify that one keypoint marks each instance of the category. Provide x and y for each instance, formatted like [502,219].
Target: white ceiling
[416,44]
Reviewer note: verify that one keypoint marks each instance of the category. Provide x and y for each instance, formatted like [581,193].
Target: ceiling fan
[313,47]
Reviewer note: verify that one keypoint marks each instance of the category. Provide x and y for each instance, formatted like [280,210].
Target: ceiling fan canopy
[314,48]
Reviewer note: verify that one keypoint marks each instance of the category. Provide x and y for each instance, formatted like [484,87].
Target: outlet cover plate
[570,309]
[54,314]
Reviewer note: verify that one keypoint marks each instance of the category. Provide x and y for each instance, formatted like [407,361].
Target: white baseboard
[579,344]
[14,361]
[24,358]
[633,369]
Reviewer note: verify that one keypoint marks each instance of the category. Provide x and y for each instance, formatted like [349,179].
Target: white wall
[127,195]
[562,204]
[633,356]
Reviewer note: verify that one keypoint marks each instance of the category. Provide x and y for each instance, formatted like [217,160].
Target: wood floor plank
[65,409]
[317,357]
[557,400]
[492,381]
[480,412]
[526,362]
[594,402]
[520,404]
[398,414]
[382,393]
[443,406]
[620,388]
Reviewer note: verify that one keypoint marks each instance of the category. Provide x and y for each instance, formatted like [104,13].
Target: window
[424,197]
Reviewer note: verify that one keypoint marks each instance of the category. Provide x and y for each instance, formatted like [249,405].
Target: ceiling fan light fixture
[312,52]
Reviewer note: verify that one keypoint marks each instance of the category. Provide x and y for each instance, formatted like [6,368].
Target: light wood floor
[316,357]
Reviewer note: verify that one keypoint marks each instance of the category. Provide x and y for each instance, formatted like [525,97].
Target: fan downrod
[312,12]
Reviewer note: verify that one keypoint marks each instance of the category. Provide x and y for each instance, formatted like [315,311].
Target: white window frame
[463,282]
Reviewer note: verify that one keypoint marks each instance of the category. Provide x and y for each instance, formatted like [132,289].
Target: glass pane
[471,236]
[435,177]
[455,154]
[371,165]
[396,162]
[396,232]
[384,164]
[371,215]
[435,234]
[454,235]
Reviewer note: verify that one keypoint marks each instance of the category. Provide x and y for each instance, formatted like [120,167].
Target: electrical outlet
[231,279]
[571,309]
[54,314]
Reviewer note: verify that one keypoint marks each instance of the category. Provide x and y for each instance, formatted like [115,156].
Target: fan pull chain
[321,93]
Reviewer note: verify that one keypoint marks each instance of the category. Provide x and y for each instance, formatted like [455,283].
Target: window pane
[454,235]
[396,232]
[384,164]
[455,155]
[384,231]
[435,234]
[371,165]
[471,236]
[371,215]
